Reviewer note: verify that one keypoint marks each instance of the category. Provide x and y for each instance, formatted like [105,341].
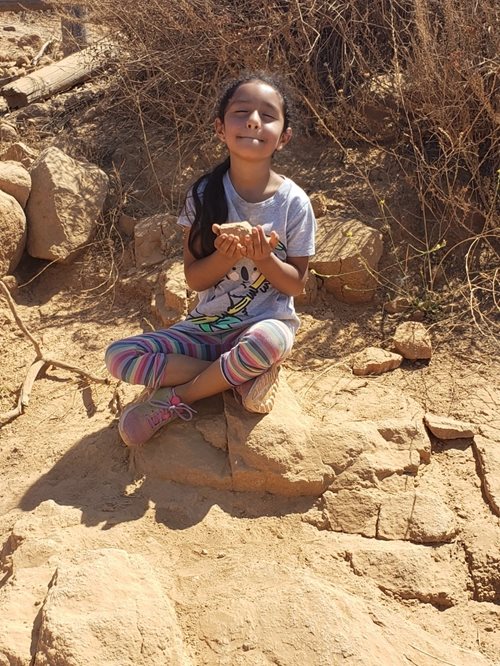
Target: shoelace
[175,406]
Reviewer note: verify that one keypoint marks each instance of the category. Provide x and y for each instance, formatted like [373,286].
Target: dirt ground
[66,448]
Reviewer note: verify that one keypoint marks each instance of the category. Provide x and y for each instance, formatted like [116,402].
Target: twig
[41,52]
[36,366]
[24,396]
[21,325]
[432,656]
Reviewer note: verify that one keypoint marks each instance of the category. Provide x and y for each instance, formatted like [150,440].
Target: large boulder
[107,607]
[66,200]
[287,452]
[12,233]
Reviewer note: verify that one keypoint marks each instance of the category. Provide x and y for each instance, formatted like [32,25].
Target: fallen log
[9,6]
[58,76]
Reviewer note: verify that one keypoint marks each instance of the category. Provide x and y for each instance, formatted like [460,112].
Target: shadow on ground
[94,476]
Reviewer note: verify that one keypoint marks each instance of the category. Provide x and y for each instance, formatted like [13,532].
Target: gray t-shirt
[244,296]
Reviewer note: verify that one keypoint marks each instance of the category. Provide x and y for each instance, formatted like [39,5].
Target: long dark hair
[210,205]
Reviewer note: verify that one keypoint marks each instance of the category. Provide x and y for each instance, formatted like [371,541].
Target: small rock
[22,61]
[319,204]
[16,181]
[126,224]
[412,340]
[397,305]
[375,361]
[8,132]
[19,152]
[444,427]
[418,315]
[9,28]
[10,281]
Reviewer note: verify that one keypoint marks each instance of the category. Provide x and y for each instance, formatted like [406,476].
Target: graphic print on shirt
[245,274]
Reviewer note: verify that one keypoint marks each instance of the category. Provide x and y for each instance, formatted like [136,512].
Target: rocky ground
[357,523]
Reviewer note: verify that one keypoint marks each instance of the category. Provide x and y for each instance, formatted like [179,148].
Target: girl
[244,324]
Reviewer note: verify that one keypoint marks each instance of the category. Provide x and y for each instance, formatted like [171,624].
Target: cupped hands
[256,246]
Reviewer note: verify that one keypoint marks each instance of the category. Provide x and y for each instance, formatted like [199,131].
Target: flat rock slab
[445,427]
[277,615]
[409,571]
[374,361]
[417,516]
[394,516]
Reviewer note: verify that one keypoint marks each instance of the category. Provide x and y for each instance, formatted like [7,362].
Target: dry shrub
[418,79]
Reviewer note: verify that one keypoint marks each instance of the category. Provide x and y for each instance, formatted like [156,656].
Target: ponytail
[210,207]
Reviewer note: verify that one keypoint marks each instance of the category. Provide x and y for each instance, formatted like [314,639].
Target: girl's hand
[258,246]
[228,245]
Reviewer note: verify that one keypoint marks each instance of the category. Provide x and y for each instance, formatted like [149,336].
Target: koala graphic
[245,272]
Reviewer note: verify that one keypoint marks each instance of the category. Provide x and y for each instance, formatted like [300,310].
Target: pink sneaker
[258,395]
[140,421]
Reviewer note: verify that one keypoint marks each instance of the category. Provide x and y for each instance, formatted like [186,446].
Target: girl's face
[253,123]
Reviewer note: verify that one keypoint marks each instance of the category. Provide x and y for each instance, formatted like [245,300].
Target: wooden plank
[58,76]
[25,5]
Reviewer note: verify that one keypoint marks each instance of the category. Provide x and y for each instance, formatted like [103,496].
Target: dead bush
[418,79]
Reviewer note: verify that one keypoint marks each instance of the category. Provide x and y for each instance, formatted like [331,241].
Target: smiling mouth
[251,138]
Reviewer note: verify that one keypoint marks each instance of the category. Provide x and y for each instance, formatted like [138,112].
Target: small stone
[126,224]
[412,340]
[8,132]
[444,427]
[319,204]
[10,281]
[397,305]
[375,361]
[418,315]
[204,551]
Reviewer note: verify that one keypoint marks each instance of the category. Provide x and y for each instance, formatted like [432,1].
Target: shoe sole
[262,394]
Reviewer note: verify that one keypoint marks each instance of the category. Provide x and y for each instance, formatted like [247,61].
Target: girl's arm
[204,273]
[288,277]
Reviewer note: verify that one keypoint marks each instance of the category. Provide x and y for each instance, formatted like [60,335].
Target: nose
[253,121]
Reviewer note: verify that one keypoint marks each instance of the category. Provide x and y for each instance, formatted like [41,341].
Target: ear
[219,129]
[284,138]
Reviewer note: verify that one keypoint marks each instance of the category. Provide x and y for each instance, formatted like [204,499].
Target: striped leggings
[243,354]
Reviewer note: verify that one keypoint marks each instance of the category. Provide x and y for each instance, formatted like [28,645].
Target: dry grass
[418,79]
